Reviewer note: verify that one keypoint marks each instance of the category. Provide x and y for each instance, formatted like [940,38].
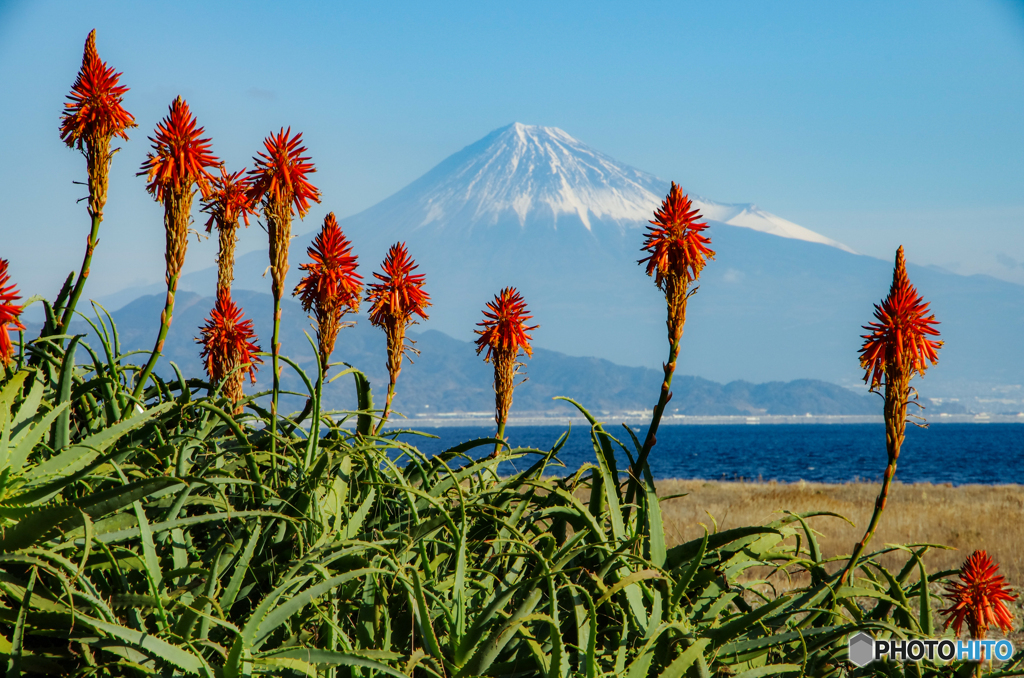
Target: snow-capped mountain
[534,208]
[545,177]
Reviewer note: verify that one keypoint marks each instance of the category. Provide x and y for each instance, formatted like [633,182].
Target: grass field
[968,517]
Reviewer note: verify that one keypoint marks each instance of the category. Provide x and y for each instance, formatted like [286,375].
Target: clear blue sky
[874,123]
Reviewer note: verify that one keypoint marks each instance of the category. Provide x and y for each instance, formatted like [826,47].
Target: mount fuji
[535,208]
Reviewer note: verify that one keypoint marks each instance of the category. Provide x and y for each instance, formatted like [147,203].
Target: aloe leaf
[742,650]
[683,552]
[681,664]
[421,613]
[295,603]
[355,524]
[29,438]
[739,625]
[631,579]
[925,607]
[35,527]
[9,392]
[29,406]
[277,664]
[18,641]
[652,518]
[130,533]
[364,396]
[241,569]
[79,454]
[487,654]
[318,657]
[61,430]
[153,569]
[151,645]
[770,670]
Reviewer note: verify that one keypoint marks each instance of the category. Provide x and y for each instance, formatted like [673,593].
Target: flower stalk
[92,117]
[279,183]
[678,253]
[504,334]
[175,167]
[898,346]
[395,300]
[227,202]
[331,287]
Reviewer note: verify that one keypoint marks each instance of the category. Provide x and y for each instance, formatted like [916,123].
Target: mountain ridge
[449,377]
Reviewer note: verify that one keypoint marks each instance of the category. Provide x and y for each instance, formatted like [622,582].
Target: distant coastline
[486,419]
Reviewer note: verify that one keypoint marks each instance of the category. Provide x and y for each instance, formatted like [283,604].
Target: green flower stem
[83,275]
[165,325]
[500,435]
[387,408]
[897,393]
[275,352]
[876,515]
[659,411]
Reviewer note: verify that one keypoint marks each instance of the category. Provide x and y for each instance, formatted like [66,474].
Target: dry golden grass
[969,517]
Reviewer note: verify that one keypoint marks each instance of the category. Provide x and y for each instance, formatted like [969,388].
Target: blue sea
[834,453]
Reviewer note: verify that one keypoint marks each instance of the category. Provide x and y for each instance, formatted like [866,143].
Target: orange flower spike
[677,248]
[94,110]
[899,339]
[400,293]
[331,278]
[228,341]
[395,300]
[979,598]
[331,286]
[228,200]
[281,172]
[504,333]
[180,155]
[9,313]
[504,326]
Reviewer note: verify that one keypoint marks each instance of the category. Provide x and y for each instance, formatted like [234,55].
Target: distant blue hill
[448,375]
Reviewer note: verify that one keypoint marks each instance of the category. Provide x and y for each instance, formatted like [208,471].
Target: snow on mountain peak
[523,169]
[523,173]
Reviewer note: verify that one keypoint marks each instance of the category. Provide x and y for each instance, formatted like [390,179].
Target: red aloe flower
[94,110]
[180,155]
[504,333]
[677,248]
[331,286]
[280,173]
[400,293]
[228,200]
[9,312]
[228,342]
[504,324]
[395,299]
[979,598]
[899,339]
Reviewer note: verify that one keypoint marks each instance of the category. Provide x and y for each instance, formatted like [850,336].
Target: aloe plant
[150,545]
